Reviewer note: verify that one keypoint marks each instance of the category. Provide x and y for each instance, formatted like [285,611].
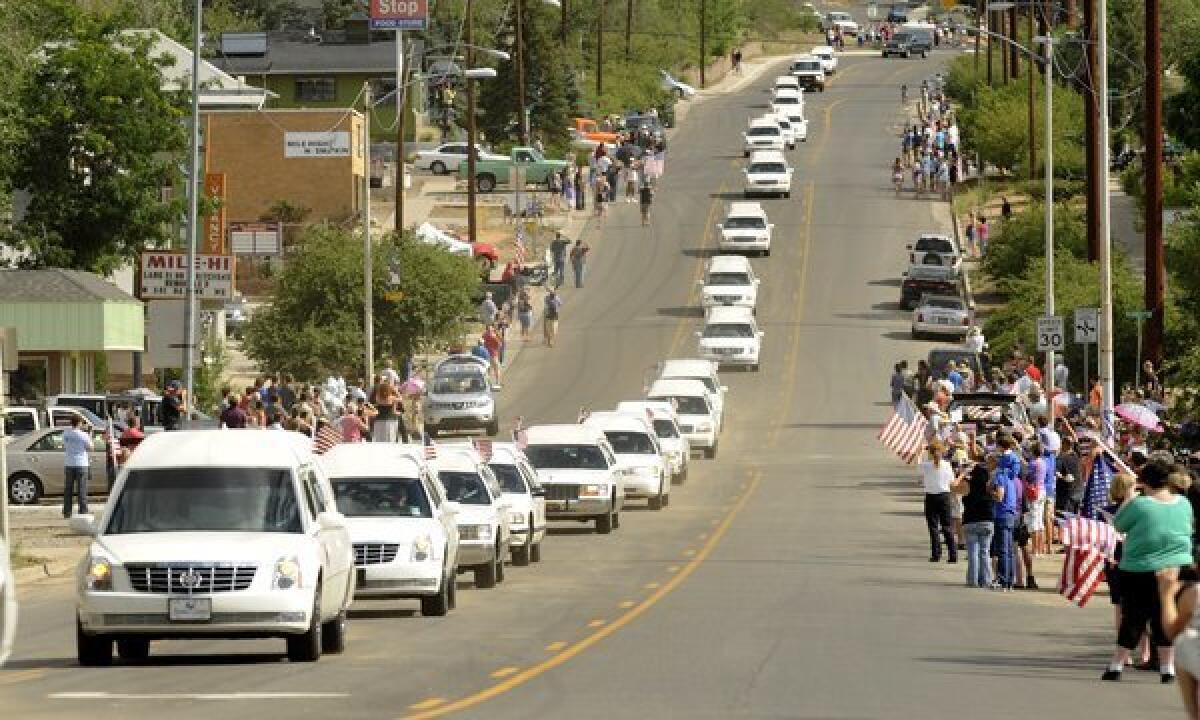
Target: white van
[216,534]
[698,419]
[578,470]
[639,455]
[403,529]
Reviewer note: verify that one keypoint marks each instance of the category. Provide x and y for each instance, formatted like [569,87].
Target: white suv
[674,445]
[729,280]
[482,519]
[745,229]
[696,369]
[699,420]
[768,174]
[403,529]
[730,337]
[764,133]
[639,455]
[825,54]
[577,468]
[526,499]
[212,534]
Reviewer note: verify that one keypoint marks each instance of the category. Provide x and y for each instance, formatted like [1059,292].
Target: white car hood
[519,502]
[476,515]
[182,547]
[632,461]
[398,529]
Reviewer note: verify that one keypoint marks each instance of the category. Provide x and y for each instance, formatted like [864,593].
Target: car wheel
[92,650]
[437,167]
[431,430]
[493,428]
[924,54]
[710,452]
[333,635]
[745,153]
[453,590]
[767,252]
[306,647]
[24,489]
[915,335]
[485,575]
[754,367]
[616,520]
[500,553]
[535,553]
[486,183]
[655,503]
[522,555]
[788,195]
[666,499]
[604,524]
[904,54]
[133,650]
[681,478]
[438,605]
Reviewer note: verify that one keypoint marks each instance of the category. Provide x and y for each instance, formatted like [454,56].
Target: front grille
[398,583]
[562,492]
[233,618]
[742,239]
[726,298]
[182,578]
[374,553]
[687,428]
[727,351]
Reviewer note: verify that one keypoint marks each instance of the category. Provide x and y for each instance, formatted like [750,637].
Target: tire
[499,565]
[437,167]
[681,478]
[453,589]
[754,367]
[535,553]
[24,489]
[92,650]
[678,92]
[666,499]
[916,335]
[616,520]
[924,54]
[485,576]
[710,452]
[788,195]
[655,503]
[485,183]
[438,605]
[522,555]
[493,428]
[745,153]
[904,54]
[133,650]
[767,252]
[604,524]
[333,635]
[306,647]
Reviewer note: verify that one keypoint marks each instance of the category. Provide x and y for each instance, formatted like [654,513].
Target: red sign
[399,14]
[214,222]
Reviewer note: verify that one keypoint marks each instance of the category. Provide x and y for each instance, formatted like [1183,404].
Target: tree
[92,137]
[1182,110]
[313,322]
[1022,238]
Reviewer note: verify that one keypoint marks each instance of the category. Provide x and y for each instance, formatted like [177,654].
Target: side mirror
[720,227]
[84,524]
[745,171]
[698,334]
[539,491]
[452,507]
[724,388]
[761,334]
[331,520]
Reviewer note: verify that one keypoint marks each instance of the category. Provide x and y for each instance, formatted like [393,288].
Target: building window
[381,86]
[318,89]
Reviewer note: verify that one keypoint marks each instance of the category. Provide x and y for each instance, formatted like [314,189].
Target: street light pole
[522,118]
[368,285]
[401,96]
[469,34]
[1105,361]
[193,232]
[1048,162]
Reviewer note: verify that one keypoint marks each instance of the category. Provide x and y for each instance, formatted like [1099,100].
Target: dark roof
[58,285]
[290,57]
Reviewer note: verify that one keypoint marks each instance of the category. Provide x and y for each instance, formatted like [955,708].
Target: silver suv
[460,397]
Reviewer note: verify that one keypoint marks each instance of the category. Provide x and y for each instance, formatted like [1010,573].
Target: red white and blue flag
[519,246]
[1089,543]
[904,433]
[326,438]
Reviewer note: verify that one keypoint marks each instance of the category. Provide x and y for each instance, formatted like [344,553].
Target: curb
[43,571]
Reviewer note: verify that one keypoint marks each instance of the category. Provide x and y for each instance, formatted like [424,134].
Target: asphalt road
[788,577]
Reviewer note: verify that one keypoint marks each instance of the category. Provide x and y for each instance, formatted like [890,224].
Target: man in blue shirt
[954,376]
[76,465]
[1005,509]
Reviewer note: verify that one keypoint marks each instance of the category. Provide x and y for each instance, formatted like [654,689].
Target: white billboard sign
[164,276]
[316,144]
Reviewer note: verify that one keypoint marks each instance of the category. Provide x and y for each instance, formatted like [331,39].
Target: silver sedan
[36,466]
[941,315]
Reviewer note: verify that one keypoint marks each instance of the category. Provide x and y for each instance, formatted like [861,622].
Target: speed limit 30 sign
[1050,334]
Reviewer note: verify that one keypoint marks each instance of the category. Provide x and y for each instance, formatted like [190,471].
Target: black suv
[898,45]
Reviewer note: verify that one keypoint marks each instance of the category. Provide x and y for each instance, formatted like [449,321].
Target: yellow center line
[556,646]
[427,704]
[571,651]
[505,672]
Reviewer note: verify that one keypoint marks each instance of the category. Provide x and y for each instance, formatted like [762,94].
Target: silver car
[460,398]
[36,466]
[941,315]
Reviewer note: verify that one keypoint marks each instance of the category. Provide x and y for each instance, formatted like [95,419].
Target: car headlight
[482,533]
[422,549]
[595,490]
[287,574]
[99,575]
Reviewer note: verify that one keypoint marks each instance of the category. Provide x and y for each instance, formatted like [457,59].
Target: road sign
[1050,335]
[1087,326]
[399,14]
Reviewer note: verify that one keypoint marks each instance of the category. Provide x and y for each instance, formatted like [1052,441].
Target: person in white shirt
[974,341]
[936,478]
[76,465]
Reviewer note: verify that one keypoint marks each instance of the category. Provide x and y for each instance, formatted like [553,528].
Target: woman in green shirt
[1157,525]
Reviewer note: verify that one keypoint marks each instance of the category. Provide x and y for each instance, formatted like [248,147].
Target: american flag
[519,436]
[1096,493]
[326,438]
[431,452]
[904,433]
[484,447]
[1088,543]
[519,246]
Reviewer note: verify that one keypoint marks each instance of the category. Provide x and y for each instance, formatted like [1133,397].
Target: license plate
[556,504]
[943,321]
[189,609]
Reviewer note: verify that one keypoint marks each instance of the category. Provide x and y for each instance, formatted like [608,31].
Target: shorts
[1035,516]
[1187,651]
[956,506]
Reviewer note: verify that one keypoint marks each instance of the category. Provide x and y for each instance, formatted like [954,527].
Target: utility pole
[193,233]
[1105,352]
[469,37]
[600,50]
[401,97]
[1152,162]
[1048,161]
[628,26]
[1032,102]
[522,117]
[703,38]
[978,14]
[368,270]
[991,23]
[1097,176]
[1014,72]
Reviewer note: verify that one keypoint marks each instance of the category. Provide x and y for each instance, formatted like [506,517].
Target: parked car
[36,463]
[898,45]
[459,397]
[941,315]
[526,498]
[898,14]
[680,89]
[482,517]
[843,21]
[934,249]
[402,527]
[447,157]
[809,71]
[922,37]
[922,280]
[490,173]
[649,123]
[211,534]
[938,358]
[22,419]
[590,130]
